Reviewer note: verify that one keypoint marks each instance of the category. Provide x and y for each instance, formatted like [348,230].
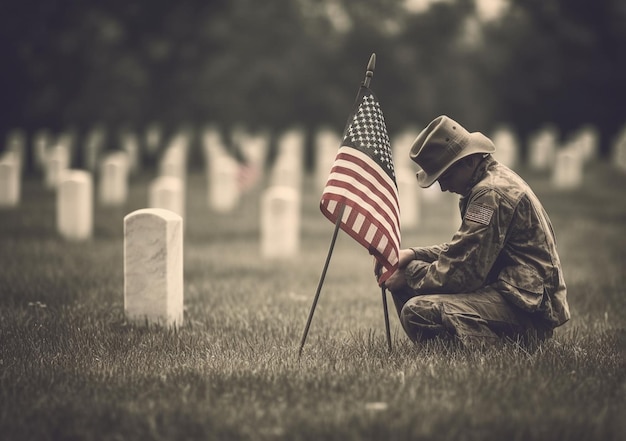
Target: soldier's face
[455,179]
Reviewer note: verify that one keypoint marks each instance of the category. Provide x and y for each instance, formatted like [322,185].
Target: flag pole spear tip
[371,65]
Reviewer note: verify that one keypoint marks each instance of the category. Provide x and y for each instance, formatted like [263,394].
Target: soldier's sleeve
[429,254]
[463,266]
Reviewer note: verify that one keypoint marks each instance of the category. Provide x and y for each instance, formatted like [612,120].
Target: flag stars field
[368,131]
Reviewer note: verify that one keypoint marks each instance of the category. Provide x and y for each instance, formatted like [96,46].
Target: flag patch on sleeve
[479,213]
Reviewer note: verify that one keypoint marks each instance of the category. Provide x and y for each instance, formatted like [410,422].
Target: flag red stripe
[371,182]
[363,179]
[379,221]
[365,226]
[380,185]
[360,235]
[352,217]
[389,255]
[349,154]
[377,210]
[373,208]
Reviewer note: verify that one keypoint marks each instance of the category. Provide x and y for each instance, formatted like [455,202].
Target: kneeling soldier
[500,276]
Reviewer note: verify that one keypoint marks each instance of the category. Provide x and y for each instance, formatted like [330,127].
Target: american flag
[363,180]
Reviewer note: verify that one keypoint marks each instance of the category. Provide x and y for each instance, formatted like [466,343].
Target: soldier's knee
[418,306]
[421,316]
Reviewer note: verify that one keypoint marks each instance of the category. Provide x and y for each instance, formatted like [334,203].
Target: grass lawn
[72,368]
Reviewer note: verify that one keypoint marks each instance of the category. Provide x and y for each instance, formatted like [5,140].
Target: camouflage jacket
[505,240]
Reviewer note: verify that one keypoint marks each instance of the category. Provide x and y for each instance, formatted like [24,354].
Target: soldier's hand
[406,255]
[396,281]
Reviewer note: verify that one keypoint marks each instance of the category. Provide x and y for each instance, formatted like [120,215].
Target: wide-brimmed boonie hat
[443,143]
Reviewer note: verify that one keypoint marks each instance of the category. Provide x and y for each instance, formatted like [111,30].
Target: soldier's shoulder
[502,182]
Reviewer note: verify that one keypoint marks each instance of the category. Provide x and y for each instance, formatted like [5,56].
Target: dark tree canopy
[275,64]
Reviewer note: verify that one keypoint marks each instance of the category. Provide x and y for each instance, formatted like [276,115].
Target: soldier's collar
[479,173]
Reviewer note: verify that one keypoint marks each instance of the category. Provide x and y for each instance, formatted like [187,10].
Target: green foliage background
[273,64]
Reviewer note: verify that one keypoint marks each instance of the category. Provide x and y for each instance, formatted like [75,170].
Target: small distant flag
[363,179]
[247,176]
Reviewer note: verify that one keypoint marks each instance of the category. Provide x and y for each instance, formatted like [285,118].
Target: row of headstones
[74,189]
[566,162]
[75,207]
[93,146]
[542,145]
[280,208]
[226,177]
[280,221]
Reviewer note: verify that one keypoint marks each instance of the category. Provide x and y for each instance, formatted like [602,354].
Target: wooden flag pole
[386,312]
[371,65]
[368,77]
[322,277]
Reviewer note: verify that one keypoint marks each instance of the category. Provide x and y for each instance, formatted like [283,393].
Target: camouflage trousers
[482,317]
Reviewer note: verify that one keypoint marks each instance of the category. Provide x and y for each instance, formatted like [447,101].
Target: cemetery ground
[72,367]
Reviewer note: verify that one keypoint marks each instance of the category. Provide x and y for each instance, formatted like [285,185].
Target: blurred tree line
[284,62]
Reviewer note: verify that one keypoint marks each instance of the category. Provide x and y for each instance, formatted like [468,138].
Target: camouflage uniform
[500,274]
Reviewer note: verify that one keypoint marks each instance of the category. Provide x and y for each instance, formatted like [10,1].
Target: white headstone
[291,145]
[542,149]
[327,143]
[130,144]
[238,134]
[431,194]
[288,165]
[212,143]
[67,140]
[10,180]
[167,192]
[586,141]
[619,150]
[409,194]
[507,147]
[254,148]
[42,142]
[568,169]
[75,205]
[153,139]
[94,145]
[153,267]
[113,184]
[223,181]
[174,162]
[286,172]
[57,161]
[401,146]
[280,222]
[455,218]
[438,205]
[16,143]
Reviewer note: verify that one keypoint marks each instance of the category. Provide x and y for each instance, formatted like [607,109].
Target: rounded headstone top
[162,213]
